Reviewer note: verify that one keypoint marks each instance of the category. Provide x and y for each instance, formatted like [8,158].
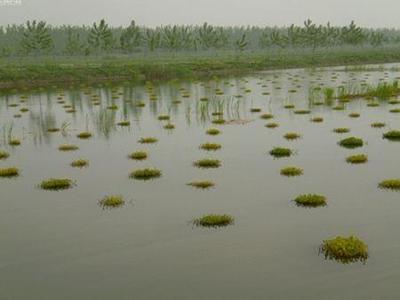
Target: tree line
[39,38]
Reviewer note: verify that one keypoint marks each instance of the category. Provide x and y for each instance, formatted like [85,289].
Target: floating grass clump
[392,135]
[345,249]
[292,136]
[53,129]
[214,221]
[310,200]
[138,155]
[9,172]
[169,126]
[84,135]
[56,184]
[112,107]
[378,125]
[354,115]
[67,147]
[272,125]
[207,163]
[145,174]
[218,121]
[112,201]
[280,152]
[14,142]
[395,110]
[341,130]
[210,146]
[80,163]
[213,131]
[163,117]
[291,171]
[266,116]
[4,155]
[202,184]
[255,110]
[357,159]
[124,123]
[289,106]
[302,112]
[390,184]
[148,140]
[351,142]
[317,120]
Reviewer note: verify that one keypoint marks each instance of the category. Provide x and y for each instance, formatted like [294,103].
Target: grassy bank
[44,71]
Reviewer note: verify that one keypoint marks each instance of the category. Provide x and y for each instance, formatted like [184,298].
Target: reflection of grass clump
[310,200]
[341,130]
[378,125]
[80,163]
[391,184]
[67,147]
[138,155]
[393,135]
[357,159]
[351,142]
[280,152]
[84,135]
[292,136]
[148,140]
[214,221]
[145,174]
[345,249]
[3,155]
[202,184]
[112,201]
[9,172]
[207,163]
[210,146]
[291,171]
[213,131]
[56,184]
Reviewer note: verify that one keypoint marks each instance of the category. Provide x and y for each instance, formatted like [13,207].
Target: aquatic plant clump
[345,249]
[9,172]
[302,112]
[112,201]
[280,152]
[292,136]
[207,163]
[163,117]
[169,126]
[354,115]
[56,184]
[213,131]
[317,120]
[67,147]
[14,142]
[80,163]
[272,125]
[84,135]
[390,184]
[148,140]
[351,142]
[210,146]
[310,200]
[357,159]
[266,116]
[124,123]
[4,155]
[291,171]
[255,110]
[393,135]
[202,184]
[145,174]
[341,130]
[378,125]
[138,155]
[214,221]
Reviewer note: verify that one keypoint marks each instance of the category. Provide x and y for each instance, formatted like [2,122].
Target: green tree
[152,39]
[241,43]
[100,36]
[130,37]
[36,38]
[74,46]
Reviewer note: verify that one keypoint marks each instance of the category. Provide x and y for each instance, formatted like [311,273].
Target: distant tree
[74,46]
[376,38]
[100,36]
[36,38]
[152,39]
[352,34]
[241,43]
[130,37]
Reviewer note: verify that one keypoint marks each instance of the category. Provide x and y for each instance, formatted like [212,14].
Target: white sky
[368,13]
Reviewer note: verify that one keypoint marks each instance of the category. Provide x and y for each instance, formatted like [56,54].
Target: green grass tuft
[345,249]
[112,201]
[4,155]
[292,136]
[291,171]
[280,152]
[310,200]
[207,163]
[202,184]
[351,142]
[80,163]
[138,155]
[67,147]
[145,174]
[9,172]
[210,146]
[393,135]
[357,159]
[56,184]
[213,131]
[214,221]
[341,130]
[391,184]
[148,140]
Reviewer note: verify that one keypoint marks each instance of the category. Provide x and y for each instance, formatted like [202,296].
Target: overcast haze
[368,13]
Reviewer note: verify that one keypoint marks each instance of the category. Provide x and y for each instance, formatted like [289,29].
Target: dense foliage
[40,38]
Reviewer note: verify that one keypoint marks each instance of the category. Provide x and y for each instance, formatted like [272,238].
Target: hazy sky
[369,13]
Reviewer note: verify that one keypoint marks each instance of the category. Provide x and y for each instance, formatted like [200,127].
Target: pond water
[64,245]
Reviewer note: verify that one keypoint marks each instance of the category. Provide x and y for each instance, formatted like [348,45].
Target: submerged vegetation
[345,249]
[214,221]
